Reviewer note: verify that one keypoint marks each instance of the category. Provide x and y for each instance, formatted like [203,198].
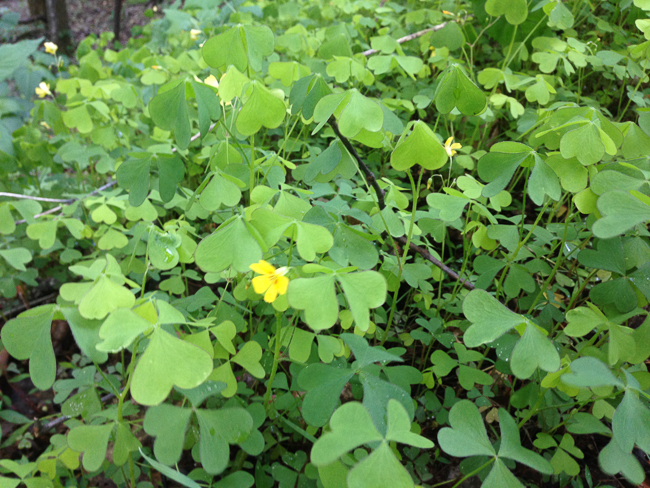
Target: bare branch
[40,199]
[410,37]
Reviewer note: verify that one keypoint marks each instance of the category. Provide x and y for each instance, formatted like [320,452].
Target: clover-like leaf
[456,90]
[230,245]
[218,429]
[516,11]
[490,319]
[168,361]
[467,435]
[120,329]
[167,423]
[92,440]
[631,423]
[511,447]
[363,290]
[621,211]
[421,147]
[168,110]
[613,460]
[17,257]
[310,239]
[261,109]
[242,45]
[28,337]
[533,351]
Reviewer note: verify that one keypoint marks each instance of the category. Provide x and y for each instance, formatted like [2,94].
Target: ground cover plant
[329,244]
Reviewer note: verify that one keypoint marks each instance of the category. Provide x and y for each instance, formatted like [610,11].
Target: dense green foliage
[456,226]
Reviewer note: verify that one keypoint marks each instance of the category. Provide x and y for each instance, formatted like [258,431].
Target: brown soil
[86,17]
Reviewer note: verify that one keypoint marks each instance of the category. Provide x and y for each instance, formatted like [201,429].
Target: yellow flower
[194,34]
[50,47]
[155,66]
[45,124]
[451,148]
[272,282]
[212,81]
[43,90]
[447,12]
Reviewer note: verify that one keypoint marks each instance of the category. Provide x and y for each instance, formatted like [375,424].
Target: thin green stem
[416,190]
[276,356]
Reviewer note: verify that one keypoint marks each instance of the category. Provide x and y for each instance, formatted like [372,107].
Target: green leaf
[621,211]
[92,440]
[533,351]
[456,90]
[17,257]
[613,460]
[218,429]
[499,165]
[516,11]
[310,239]
[86,333]
[501,477]
[365,354]
[511,447]
[322,312]
[28,337]
[379,467]
[467,435]
[399,427]
[120,329]
[171,473]
[242,45]
[44,232]
[323,384]
[103,297]
[490,319]
[364,290]
[167,423]
[306,93]
[133,175]
[125,444]
[208,106]
[249,357]
[631,423]
[261,109]
[168,110]
[583,143]
[351,426]
[230,245]
[15,55]
[590,372]
[168,361]
[220,191]
[421,147]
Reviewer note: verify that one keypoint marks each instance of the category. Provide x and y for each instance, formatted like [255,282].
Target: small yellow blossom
[45,124]
[43,90]
[155,66]
[195,33]
[155,9]
[212,81]
[272,282]
[451,148]
[447,12]
[50,47]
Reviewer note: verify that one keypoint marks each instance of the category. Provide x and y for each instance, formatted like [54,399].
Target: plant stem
[276,356]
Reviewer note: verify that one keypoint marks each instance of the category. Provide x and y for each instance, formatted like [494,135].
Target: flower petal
[281,284]
[270,295]
[262,283]
[263,267]
[448,142]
